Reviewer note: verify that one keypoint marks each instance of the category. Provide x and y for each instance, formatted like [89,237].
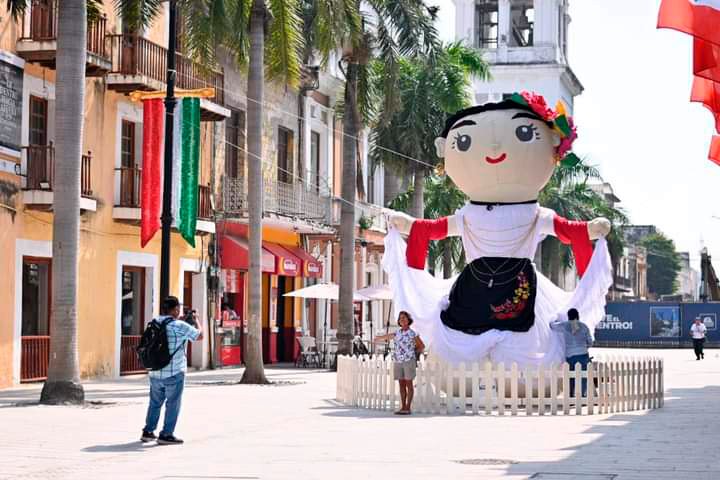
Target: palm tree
[63,381]
[241,26]
[392,29]
[569,193]
[443,83]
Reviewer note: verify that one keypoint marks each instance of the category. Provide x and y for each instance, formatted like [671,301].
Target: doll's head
[506,151]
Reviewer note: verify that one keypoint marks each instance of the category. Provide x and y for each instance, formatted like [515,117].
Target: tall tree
[663,264]
[443,82]
[570,193]
[63,382]
[242,27]
[388,31]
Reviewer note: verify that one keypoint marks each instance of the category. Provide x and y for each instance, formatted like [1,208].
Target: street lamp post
[170,102]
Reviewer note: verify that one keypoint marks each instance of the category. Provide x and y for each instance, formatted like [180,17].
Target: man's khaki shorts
[405,370]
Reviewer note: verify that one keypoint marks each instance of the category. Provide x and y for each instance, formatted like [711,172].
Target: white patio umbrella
[324,291]
[381,292]
[327,292]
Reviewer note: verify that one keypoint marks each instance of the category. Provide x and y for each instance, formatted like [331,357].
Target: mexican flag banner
[185,172]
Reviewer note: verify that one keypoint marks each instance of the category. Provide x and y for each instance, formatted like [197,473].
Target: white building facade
[525,42]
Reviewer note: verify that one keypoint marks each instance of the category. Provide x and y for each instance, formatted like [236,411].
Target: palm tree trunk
[63,382]
[254,369]
[347,212]
[447,258]
[417,208]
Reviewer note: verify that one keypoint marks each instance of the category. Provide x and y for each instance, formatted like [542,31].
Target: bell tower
[525,42]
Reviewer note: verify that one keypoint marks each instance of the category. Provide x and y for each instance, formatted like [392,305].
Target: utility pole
[170,101]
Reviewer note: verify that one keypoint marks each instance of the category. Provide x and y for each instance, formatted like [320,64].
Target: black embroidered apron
[493,292]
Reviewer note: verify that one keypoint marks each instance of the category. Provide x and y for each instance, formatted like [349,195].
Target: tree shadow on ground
[136,446]
[664,444]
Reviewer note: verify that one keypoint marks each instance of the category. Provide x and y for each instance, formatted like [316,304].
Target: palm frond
[138,14]
[285,42]
[204,23]
[238,39]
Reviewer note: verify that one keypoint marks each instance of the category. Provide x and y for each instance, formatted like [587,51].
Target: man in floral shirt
[407,344]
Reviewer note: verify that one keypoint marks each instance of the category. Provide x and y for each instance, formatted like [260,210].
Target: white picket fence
[613,385]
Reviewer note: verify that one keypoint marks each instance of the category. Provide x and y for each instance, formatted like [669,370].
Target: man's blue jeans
[168,390]
[583,360]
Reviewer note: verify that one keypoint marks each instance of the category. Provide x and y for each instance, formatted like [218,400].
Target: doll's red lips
[494,161]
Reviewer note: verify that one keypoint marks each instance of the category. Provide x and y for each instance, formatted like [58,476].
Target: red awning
[234,254]
[286,263]
[311,266]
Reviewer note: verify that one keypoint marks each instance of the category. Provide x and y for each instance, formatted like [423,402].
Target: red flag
[715,149]
[706,60]
[151,191]
[708,93]
[699,18]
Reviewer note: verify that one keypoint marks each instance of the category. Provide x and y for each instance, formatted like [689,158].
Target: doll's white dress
[500,231]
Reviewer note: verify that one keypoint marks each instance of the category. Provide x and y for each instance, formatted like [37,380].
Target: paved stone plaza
[295,430]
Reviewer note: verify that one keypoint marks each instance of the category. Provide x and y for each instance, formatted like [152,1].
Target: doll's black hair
[488,107]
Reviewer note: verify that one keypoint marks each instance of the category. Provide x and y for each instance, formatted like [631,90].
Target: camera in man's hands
[190,318]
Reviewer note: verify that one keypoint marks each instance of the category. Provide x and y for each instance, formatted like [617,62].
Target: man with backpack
[162,349]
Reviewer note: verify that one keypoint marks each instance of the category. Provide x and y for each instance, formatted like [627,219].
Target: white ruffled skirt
[424,297]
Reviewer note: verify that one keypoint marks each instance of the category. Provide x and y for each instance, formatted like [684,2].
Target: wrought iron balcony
[38,38]
[293,200]
[39,173]
[139,64]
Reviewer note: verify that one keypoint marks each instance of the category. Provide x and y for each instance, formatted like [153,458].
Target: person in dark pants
[577,341]
[167,384]
[698,330]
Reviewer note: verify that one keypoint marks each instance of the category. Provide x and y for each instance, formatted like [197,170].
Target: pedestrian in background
[698,330]
[407,345]
[577,342]
[167,383]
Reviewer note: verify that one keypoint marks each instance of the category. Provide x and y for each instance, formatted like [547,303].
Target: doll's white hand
[402,222]
[598,227]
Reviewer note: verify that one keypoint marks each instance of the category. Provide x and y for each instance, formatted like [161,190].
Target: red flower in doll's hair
[539,105]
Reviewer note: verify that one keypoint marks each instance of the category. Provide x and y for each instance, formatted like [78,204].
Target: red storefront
[283,267]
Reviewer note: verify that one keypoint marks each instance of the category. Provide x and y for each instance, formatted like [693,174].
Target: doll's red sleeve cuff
[421,232]
[576,234]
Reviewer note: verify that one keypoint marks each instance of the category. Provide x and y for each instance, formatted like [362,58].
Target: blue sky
[635,121]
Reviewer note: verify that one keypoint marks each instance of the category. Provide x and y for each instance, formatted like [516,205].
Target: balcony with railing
[291,201]
[128,184]
[39,174]
[139,64]
[38,38]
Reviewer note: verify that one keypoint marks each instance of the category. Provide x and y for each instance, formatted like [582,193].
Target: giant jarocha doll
[499,308]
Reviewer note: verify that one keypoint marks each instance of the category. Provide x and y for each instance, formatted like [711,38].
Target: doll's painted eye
[526,133]
[463,142]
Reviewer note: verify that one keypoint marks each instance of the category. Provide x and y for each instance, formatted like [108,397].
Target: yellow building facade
[118,280]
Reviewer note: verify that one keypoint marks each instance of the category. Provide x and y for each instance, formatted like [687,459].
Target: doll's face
[499,155]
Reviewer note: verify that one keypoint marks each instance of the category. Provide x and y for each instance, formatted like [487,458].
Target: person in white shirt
[697,332]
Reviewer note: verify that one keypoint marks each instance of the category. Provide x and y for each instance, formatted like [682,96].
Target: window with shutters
[38,134]
[285,155]
[235,144]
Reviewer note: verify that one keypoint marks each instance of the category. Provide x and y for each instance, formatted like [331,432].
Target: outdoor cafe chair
[309,355]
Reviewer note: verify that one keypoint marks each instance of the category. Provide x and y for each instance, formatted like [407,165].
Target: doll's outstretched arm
[421,232]
[579,236]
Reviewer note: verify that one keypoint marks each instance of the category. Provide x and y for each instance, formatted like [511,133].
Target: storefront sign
[289,266]
[11,89]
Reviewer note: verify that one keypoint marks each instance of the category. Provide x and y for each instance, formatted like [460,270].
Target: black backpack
[154,351]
